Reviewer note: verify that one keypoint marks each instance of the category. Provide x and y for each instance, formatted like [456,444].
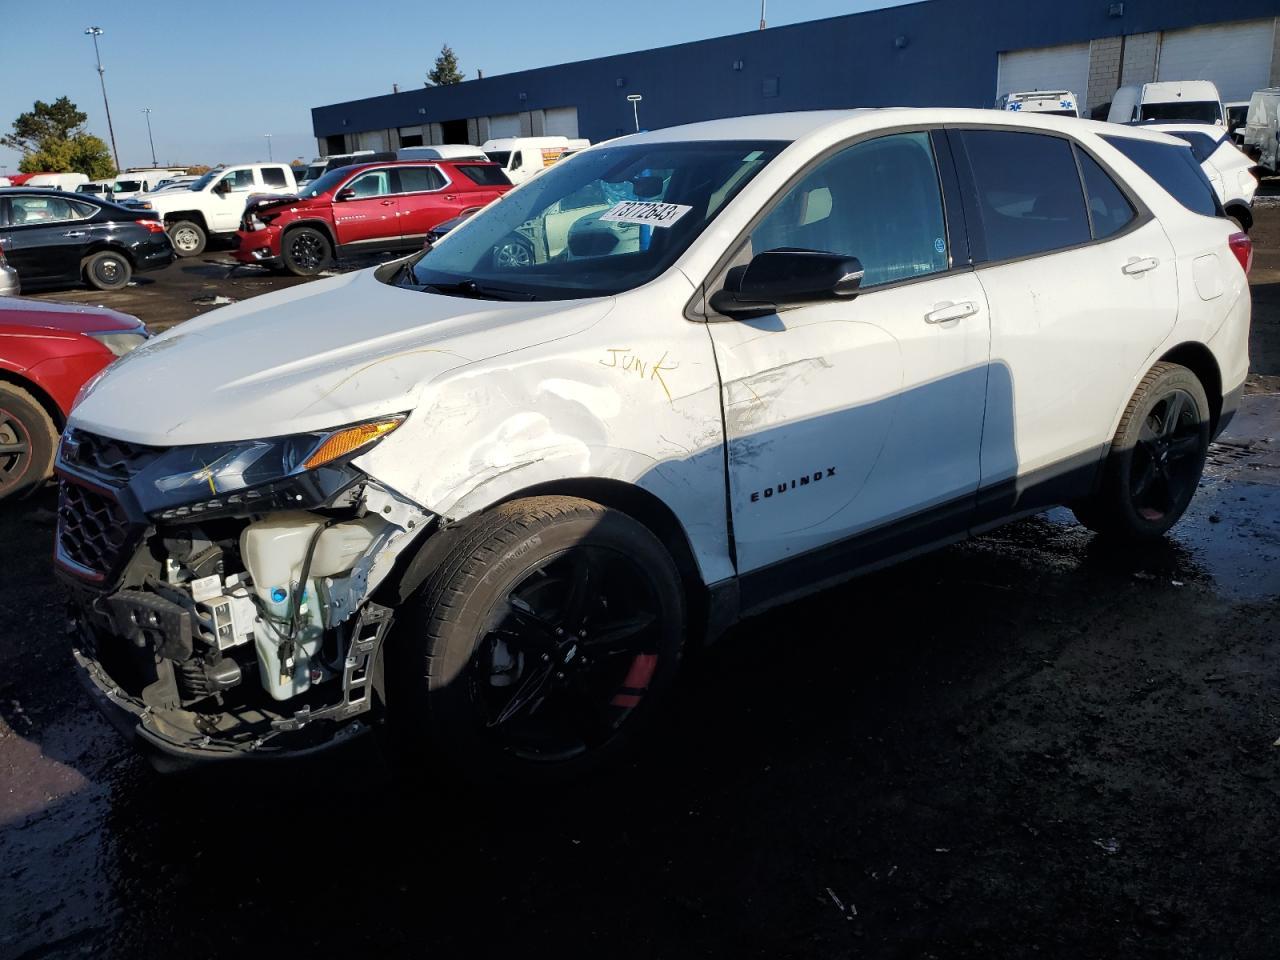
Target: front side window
[878,201]
[239,180]
[375,183]
[605,221]
[420,179]
[1028,192]
[1109,209]
[1175,169]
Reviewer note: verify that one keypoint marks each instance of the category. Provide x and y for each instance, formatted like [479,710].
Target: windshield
[314,171]
[127,186]
[1198,111]
[203,181]
[325,183]
[608,220]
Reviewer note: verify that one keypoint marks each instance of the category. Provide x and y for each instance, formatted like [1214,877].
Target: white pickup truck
[215,203]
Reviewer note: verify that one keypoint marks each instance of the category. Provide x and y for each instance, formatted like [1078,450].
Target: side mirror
[776,279]
[346,193]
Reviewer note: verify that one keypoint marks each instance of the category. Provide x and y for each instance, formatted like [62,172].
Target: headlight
[120,343]
[214,474]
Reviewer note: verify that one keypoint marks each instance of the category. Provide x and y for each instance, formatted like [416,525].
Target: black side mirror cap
[777,279]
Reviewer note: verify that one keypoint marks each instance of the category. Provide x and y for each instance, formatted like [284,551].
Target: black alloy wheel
[567,654]
[307,251]
[1167,458]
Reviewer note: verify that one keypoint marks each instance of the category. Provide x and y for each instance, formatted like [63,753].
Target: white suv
[491,501]
[214,204]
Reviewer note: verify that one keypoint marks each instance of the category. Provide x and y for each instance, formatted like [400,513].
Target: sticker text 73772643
[643,211]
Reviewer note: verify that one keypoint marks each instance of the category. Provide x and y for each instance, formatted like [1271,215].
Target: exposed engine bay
[230,627]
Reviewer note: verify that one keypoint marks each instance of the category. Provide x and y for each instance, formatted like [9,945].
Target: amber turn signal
[342,442]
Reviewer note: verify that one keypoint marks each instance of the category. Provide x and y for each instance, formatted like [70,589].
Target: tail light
[153,226]
[1242,247]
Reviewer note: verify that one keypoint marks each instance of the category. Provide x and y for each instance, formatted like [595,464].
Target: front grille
[93,529]
[113,461]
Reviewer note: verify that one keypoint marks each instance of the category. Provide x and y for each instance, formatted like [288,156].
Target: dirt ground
[1027,745]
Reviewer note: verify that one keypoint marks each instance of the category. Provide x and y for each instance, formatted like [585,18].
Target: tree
[51,136]
[446,71]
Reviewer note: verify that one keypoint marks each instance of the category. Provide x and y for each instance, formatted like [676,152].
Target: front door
[370,214]
[45,237]
[230,194]
[842,417]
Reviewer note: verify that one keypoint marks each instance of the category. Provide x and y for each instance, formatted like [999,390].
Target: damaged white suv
[488,500]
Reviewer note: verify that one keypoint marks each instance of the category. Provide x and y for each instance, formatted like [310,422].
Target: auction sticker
[639,211]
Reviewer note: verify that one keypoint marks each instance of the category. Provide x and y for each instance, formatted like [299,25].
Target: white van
[133,182]
[1262,129]
[1196,101]
[442,151]
[58,181]
[522,157]
[1060,103]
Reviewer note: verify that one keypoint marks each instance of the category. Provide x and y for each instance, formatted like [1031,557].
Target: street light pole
[268,136]
[762,3]
[150,140]
[635,99]
[96,32]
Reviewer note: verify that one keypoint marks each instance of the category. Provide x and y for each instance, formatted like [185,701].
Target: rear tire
[1156,458]
[188,238]
[305,251]
[28,439]
[542,642]
[108,270]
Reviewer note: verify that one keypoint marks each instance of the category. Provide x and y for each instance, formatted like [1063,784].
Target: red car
[368,207]
[48,351]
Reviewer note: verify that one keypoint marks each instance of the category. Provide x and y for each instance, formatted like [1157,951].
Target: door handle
[74,233]
[947,310]
[450,196]
[1136,266]
[387,203]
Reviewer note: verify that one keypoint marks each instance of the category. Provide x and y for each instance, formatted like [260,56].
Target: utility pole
[96,32]
[147,111]
[268,136]
[762,3]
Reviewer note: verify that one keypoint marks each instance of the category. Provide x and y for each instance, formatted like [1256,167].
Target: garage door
[1045,68]
[561,122]
[1235,56]
[373,140]
[504,125]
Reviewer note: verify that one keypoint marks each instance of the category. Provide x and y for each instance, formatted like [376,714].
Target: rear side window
[273,177]
[1109,209]
[486,175]
[1175,169]
[1028,192]
[420,179]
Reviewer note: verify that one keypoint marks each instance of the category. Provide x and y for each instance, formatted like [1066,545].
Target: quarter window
[878,201]
[1028,192]
[420,179]
[1109,209]
[1174,168]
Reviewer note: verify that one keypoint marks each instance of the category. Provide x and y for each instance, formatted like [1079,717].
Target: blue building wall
[941,53]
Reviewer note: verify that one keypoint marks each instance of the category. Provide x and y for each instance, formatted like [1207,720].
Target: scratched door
[843,416]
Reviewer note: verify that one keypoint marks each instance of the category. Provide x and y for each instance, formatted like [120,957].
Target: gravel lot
[1023,745]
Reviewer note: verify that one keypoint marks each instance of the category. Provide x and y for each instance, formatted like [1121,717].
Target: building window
[769,87]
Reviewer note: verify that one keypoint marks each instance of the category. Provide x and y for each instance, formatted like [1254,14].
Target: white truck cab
[214,203]
[1061,103]
[1195,101]
[524,157]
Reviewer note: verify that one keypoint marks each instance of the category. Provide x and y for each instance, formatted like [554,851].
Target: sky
[219,76]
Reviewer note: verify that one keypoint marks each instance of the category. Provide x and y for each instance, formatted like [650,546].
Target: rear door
[1081,292]
[370,213]
[427,197]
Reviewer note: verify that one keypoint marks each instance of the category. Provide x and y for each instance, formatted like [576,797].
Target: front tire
[108,270]
[28,439]
[305,251]
[188,238]
[1156,458]
[541,644]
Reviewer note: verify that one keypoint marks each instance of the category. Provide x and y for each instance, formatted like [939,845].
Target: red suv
[364,208]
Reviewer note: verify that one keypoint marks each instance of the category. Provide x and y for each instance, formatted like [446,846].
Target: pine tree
[446,71]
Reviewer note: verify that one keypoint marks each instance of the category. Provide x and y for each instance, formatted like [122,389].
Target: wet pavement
[1029,744]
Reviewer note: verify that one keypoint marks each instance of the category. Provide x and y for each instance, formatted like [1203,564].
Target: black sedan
[52,238]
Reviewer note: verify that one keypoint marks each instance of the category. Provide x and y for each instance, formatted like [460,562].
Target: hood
[70,318]
[311,357]
[259,202]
